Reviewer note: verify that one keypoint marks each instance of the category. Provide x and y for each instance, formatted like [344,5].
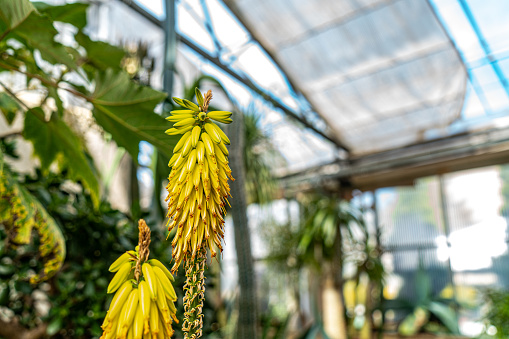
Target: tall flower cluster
[198,182]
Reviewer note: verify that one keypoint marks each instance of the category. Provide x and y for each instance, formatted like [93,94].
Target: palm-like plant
[333,231]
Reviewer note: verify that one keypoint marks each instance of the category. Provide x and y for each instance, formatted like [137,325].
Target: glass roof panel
[480,31]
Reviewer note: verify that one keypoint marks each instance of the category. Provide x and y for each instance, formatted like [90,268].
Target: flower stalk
[198,192]
[195,295]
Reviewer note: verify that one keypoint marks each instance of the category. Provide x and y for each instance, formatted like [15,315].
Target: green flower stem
[195,294]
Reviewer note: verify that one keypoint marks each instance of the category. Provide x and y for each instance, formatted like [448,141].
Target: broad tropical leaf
[101,55]
[126,111]
[9,107]
[55,137]
[23,214]
[446,315]
[75,14]
[37,32]
[12,13]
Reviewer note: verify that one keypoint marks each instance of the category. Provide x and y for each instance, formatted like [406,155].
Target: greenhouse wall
[454,228]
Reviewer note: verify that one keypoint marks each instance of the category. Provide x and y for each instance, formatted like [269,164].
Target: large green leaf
[75,14]
[422,287]
[12,13]
[37,32]
[25,213]
[55,137]
[446,315]
[101,55]
[9,107]
[126,111]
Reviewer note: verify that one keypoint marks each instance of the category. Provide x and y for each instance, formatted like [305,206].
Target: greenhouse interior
[333,169]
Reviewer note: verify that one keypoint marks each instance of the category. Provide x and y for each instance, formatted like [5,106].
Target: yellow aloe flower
[198,182]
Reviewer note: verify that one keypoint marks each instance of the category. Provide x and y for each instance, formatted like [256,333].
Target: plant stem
[37,114]
[45,81]
[195,294]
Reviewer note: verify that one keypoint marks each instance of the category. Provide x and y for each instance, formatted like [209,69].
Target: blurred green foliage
[76,297]
[498,311]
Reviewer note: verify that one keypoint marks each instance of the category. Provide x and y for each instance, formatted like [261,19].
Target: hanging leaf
[38,33]
[100,55]
[126,111]
[55,137]
[9,107]
[23,214]
[12,14]
[17,211]
[52,247]
[75,14]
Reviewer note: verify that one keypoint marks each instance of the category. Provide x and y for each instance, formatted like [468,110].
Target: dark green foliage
[498,314]
[94,237]
[55,137]
[117,106]
[122,108]
[425,308]
[9,107]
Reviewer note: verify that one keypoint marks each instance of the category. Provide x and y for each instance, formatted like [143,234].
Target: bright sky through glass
[480,31]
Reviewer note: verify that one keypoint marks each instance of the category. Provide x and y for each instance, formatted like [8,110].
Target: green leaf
[100,54]
[9,107]
[446,315]
[422,286]
[37,32]
[199,96]
[55,137]
[26,214]
[54,326]
[12,13]
[74,14]
[126,111]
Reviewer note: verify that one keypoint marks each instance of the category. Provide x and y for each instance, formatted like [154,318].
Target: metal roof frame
[216,61]
[388,168]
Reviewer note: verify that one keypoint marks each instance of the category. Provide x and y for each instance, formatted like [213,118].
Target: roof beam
[403,166]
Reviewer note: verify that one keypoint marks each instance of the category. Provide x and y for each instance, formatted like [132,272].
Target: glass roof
[480,32]
[478,29]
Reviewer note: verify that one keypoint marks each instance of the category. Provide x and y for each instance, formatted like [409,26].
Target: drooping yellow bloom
[198,182]
[144,301]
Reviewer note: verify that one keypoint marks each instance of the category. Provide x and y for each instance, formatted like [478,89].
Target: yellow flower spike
[196,198]
[132,307]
